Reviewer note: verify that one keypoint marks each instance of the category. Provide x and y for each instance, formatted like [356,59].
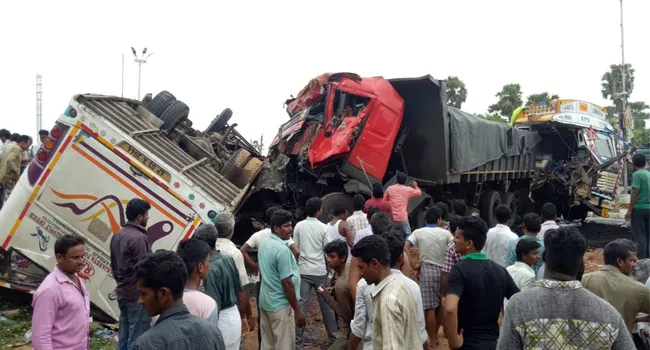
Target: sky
[251,56]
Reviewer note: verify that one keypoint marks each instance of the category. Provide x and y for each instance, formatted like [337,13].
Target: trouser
[342,339]
[258,286]
[230,327]
[278,329]
[403,226]
[638,342]
[641,231]
[134,321]
[307,283]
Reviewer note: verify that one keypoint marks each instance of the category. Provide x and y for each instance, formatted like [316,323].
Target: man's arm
[247,259]
[416,191]
[360,320]
[295,250]
[45,309]
[290,293]
[14,161]
[354,275]
[456,285]
[346,231]
[330,301]
[624,339]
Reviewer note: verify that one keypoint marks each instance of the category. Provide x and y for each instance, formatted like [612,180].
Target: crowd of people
[378,285]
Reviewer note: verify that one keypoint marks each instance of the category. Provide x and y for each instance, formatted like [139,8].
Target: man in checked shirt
[451,256]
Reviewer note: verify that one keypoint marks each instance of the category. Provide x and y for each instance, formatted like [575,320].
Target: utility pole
[39,103]
[140,60]
[122,75]
[623,96]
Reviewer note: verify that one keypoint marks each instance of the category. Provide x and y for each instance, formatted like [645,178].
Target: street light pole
[140,60]
[621,114]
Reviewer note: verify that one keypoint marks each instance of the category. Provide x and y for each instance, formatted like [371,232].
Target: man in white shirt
[500,237]
[311,236]
[549,215]
[358,220]
[521,271]
[4,137]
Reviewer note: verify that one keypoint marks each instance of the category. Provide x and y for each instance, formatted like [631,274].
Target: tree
[456,92]
[544,97]
[612,81]
[492,117]
[509,100]
[639,114]
[641,137]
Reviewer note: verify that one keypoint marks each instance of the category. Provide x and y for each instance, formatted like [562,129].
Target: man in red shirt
[377,199]
[398,196]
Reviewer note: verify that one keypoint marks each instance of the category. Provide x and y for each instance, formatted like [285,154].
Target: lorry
[343,133]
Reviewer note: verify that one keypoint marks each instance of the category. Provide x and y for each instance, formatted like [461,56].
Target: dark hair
[454,220]
[5,133]
[377,190]
[372,210]
[433,215]
[359,201]
[381,222]
[503,213]
[44,132]
[620,248]
[269,212]
[136,207]
[339,209]
[459,207]
[395,240]
[162,269]
[549,212]
[525,246]
[444,208]
[639,160]
[23,138]
[65,242]
[280,217]
[533,222]
[208,234]
[14,137]
[372,247]
[312,206]
[337,246]
[193,252]
[475,230]
[401,178]
[564,250]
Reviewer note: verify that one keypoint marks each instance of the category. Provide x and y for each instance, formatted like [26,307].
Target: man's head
[470,235]
[503,214]
[24,142]
[225,224]
[359,202]
[69,251]
[564,249]
[372,210]
[269,212]
[43,134]
[313,207]
[401,178]
[622,254]
[281,224]
[336,253]
[454,221]
[14,137]
[532,224]
[639,160]
[161,278]
[208,234]
[527,251]
[549,212]
[381,222]
[444,208]
[339,211]
[373,255]
[395,240]
[4,135]
[377,190]
[433,216]
[458,207]
[196,256]
[137,211]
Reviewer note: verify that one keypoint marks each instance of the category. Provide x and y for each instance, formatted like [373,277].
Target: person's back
[398,196]
[311,236]
[10,161]
[432,242]
[223,283]
[393,303]
[177,329]
[377,199]
[500,237]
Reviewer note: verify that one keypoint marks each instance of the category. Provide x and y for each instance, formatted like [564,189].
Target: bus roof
[565,111]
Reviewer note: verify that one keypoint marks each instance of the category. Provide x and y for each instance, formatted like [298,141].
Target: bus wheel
[174,115]
[252,169]
[160,103]
[330,200]
[220,121]
[237,160]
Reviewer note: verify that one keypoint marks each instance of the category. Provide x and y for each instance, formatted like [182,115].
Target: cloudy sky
[250,56]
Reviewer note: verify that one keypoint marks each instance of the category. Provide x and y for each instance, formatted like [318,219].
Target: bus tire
[252,169]
[160,103]
[490,200]
[220,121]
[509,199]
[174,115]
[237,160]
[330,200]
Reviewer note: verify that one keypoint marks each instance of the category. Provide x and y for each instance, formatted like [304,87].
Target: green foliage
[537,98]
[509,100]
[492,117]
[641,137]
[456,92]
[612,81]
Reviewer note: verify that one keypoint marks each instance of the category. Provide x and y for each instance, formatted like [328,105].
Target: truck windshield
[604,146]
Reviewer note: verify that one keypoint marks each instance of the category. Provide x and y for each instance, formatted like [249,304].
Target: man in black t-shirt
[475,291]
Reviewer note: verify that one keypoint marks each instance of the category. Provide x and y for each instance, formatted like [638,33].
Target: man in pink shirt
[61,303]
[398,196]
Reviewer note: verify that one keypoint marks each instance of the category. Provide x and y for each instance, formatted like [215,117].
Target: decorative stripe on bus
[37,188]
[135,164]
[194,224]
[20,289]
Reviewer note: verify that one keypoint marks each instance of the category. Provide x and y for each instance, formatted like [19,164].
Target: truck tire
[174,115]
[252,169]
[330,200]
[160,103]
[490,200]
[237,160]
[509,199]
[220,121]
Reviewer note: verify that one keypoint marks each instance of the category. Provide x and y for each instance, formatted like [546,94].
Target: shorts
[430,282]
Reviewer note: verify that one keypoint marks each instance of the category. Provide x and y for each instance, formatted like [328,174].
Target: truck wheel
[237,160]
[174,115]
[160,103]
[330,200]
[509,199]
[489,203]
[220,121]
[252,169]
